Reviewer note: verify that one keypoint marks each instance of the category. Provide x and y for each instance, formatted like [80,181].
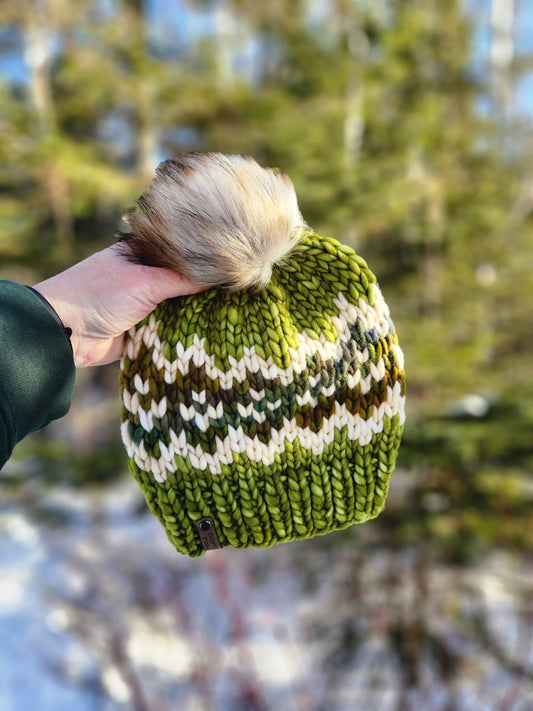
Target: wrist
[67,330]
[65,316]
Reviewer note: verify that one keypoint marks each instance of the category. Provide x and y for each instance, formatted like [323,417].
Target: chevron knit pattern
[278,414]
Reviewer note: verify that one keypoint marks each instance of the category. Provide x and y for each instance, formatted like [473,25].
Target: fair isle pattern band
[277,414]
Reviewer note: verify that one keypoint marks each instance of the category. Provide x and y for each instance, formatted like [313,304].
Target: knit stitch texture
[277,414]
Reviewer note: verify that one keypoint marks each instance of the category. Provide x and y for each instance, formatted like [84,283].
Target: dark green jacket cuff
[36,366]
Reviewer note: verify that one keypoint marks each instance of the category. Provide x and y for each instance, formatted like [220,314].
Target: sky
[176,23]
[481,13]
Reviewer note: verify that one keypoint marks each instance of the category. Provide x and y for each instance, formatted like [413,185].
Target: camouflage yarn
[276,414]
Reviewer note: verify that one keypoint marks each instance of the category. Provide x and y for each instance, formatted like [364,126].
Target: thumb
[162,284]
[157,283]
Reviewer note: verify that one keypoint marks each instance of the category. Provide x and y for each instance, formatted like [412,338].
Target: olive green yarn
[277,414]
[256,509]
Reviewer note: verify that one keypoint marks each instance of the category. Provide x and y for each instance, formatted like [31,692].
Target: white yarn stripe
[251,361]
[377,373]
[375,317]
[238,443]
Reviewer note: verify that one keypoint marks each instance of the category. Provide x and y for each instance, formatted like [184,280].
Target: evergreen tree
[374,110]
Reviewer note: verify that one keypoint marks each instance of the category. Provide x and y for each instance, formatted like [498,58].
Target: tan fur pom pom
[219,220]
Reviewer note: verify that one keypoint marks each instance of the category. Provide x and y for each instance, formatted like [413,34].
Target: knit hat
[263,415]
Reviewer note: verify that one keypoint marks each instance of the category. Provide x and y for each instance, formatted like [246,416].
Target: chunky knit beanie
[267,411]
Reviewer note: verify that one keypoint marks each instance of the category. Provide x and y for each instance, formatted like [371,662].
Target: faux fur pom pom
[219,220]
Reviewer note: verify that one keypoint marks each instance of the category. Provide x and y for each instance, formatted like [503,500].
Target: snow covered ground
[99,613]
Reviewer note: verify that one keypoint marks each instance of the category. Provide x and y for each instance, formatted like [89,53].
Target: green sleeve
[36,366]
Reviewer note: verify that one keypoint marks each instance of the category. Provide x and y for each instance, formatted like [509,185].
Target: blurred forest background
[406,126]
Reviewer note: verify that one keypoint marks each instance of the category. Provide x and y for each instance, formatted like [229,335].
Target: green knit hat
[259,417]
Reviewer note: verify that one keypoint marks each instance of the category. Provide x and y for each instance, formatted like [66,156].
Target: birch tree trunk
[501,60]
[146,140]
[356,42]
[430,213]
[39,55]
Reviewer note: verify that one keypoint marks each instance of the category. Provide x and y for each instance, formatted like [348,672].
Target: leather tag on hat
[208,534]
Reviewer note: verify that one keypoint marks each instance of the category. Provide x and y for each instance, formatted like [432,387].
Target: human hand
[103,296]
